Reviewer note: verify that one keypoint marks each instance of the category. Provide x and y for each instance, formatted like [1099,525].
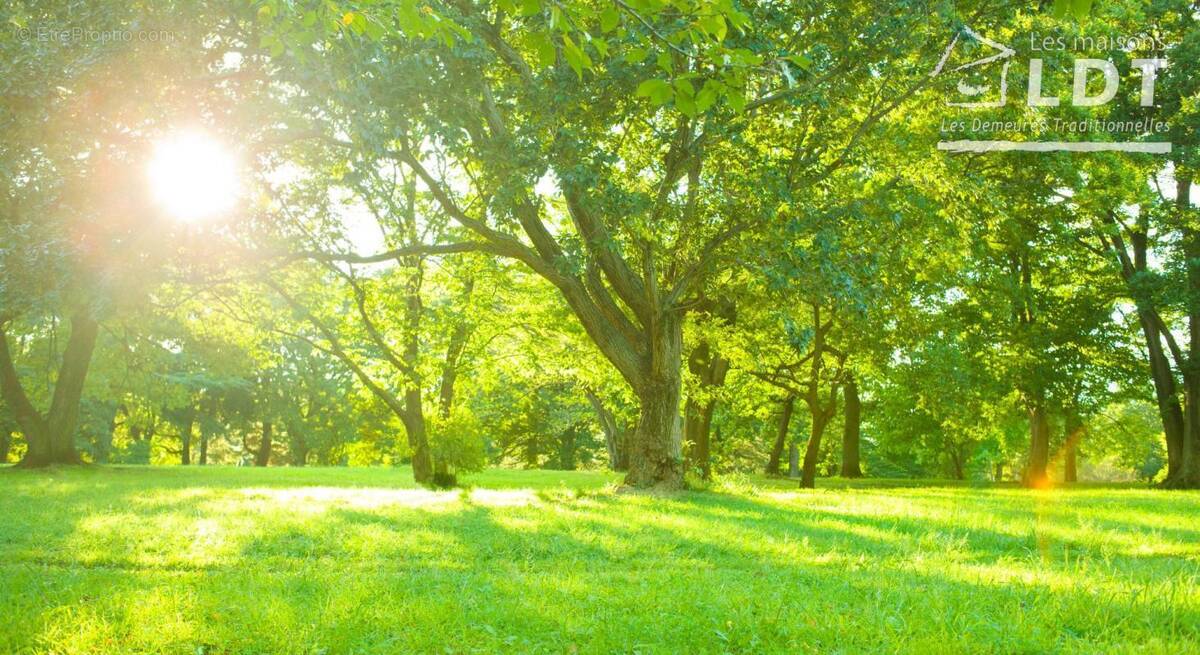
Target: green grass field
[220,560]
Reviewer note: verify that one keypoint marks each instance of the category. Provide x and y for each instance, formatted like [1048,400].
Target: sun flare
[193,176]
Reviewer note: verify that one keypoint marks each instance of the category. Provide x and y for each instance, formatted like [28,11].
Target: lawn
[223,560]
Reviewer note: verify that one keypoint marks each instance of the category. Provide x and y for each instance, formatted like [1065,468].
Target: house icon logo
[978,77]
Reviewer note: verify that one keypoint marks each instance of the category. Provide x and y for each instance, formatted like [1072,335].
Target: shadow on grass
[223,566]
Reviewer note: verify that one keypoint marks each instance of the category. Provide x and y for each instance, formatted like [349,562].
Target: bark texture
[1039,445]
[851,431]
[262,455]
[781,433]
[50,437]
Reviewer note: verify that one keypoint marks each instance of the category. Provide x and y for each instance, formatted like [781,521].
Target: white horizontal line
[1155,147]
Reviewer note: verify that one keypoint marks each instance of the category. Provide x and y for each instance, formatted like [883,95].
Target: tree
[627,247]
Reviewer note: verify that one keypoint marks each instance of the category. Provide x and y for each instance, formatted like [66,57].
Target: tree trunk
[186,427]
[710,371]
[1165,393]
[568,444]
[697,432]
[851,432]
[998,474]
[414,410]
[793,460]
[655,458]
[102,449]
[262,456]
[5,444]
[1039,446]
[1074,431]
[781,434]
[1189,467]
[298,444]
[418,437]
[808,472]
[956,460]
[50,439]
[442,475]
[614,436]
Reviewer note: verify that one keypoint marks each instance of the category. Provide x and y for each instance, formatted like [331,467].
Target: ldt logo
[1079,96]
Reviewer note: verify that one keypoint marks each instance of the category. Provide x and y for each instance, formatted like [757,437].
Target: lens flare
[193,176]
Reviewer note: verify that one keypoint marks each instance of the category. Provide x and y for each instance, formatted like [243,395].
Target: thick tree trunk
[5,444]
[655,457]
[851,432]
[262,456]
[781,434]
[808,472]
[50,439]
[1039,446]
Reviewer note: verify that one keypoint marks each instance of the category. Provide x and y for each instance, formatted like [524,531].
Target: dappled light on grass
[220,560]
[320,499]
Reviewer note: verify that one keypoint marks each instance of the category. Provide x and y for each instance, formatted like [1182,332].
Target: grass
[219,560]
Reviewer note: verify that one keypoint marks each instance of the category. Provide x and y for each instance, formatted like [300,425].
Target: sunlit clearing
[193,176]
[317,499]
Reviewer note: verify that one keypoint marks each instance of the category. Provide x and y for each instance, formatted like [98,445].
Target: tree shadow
[257,568]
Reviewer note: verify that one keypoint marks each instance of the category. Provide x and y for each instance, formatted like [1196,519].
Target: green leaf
[577,59]
[736,100]
[715,26]
[609,18]
[658,91]
[636,55]
[1081,8]
[600,45]
[374,30]
[544,48]
[685,97]
[802,61]
[530,7]
[708,95]
[664,63]
[1060,8]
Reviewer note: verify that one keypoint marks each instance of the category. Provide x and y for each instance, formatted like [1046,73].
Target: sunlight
[193,176]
